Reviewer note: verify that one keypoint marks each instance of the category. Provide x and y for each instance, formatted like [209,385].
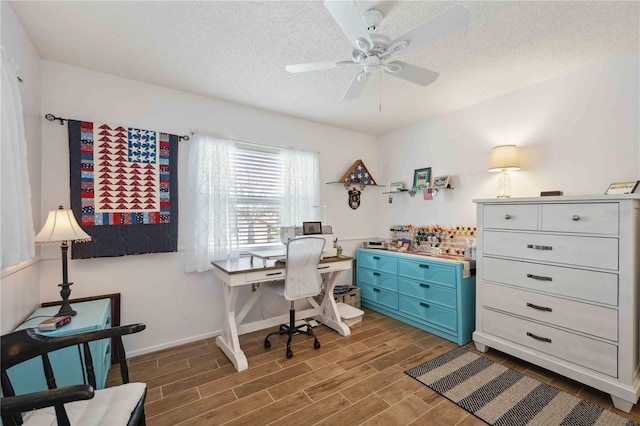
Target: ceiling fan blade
[412,73]
[346,15]
[356,87]
[310,67]
[447,22]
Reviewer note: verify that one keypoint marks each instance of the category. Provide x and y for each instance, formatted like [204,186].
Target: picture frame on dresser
[422,177]
[622,187]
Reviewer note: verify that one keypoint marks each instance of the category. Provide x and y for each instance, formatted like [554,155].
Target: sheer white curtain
[16,219]
[300,176]
[211,225]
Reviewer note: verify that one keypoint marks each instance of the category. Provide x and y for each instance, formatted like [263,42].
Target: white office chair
[302,280]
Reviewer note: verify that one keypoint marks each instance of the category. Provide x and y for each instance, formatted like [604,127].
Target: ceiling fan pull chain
[380,93]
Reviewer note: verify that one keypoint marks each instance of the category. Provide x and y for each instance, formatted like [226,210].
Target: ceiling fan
[373,51]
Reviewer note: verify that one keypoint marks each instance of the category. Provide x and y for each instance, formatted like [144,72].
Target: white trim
[16,268]
[149,349]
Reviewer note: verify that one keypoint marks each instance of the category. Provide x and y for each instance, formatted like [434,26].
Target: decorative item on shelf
[61,228]
[442,182]
[504,159]
[355,180]
[422,177]
[622,187]
[396,186]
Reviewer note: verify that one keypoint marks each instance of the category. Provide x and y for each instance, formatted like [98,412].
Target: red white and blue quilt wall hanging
[124,189]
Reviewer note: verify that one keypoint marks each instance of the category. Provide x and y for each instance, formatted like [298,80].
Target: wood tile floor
[354,380]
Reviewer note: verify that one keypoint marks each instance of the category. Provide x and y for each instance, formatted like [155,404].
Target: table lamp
[61,228]
[504,158]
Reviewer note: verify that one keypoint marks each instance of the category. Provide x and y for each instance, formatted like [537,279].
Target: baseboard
[143,351]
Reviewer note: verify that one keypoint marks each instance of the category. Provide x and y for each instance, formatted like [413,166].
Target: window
[258,192]
[240,195]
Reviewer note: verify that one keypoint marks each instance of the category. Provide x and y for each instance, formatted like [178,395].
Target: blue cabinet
[93,315]
[428,293]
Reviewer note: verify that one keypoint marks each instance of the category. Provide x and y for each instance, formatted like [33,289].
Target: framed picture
[622,187]
[441,181]
[422,177]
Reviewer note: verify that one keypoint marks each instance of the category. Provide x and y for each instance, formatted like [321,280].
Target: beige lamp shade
[504,157]
[61,226]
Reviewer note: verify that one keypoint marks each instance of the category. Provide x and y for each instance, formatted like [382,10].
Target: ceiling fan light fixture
[397,46]
[362,44]
[358,56]
[393,67]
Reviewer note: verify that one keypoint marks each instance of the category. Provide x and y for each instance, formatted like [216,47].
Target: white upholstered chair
[302,280]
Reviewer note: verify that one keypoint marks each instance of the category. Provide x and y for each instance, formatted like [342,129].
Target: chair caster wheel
[289,354]
[267,344]
[316,345]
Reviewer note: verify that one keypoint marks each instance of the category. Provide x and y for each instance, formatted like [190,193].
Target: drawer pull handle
[376,257]
[540,308]
[324,267]
[542,339]
[423,265]
[377,290]
[539,277]
[532,246]
[575,217]
[425,305]
[377,274]
[507,216]
[274,273]
[423,285]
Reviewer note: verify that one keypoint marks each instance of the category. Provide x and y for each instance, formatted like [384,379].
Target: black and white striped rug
[501,396]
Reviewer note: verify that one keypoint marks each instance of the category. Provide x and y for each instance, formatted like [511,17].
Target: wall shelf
[412,192]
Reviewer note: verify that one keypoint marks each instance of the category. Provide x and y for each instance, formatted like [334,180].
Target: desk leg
[329,314]
[228,341]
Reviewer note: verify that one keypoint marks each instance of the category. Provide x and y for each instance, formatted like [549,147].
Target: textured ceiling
[237,51]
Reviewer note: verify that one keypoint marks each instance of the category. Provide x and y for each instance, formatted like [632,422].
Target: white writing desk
[237,273]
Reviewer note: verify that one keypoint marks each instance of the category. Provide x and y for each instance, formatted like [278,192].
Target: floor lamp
[61,228]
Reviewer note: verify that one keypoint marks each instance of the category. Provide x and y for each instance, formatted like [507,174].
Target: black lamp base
[65,309]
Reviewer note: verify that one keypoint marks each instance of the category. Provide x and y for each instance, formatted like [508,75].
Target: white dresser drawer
[583,317]
[581,284]
[596,218]
[511,216]
[579,251]
[573,348]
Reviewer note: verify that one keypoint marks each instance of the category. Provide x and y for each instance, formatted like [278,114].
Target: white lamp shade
[61,226]
[504,157]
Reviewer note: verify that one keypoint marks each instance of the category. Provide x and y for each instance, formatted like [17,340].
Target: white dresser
[558,285]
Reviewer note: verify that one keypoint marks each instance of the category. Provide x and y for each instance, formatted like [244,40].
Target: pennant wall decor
[124,189]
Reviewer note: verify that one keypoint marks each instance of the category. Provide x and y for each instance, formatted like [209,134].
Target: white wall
[576,133]
[153,285]
[19,292]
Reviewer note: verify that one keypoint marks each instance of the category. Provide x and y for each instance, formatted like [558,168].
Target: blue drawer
[377,261]
[377,295]
[428,271]
[428,292]
[378,279]
[423,311]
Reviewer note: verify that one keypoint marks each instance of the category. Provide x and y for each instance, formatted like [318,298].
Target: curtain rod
[52,117]
[261,145]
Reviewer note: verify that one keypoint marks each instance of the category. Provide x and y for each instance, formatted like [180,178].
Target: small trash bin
[350,315]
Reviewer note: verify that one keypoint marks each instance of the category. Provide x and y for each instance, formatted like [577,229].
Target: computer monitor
[311,228]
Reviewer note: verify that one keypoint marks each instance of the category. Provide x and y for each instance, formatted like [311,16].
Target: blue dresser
[428,293]
[93,315]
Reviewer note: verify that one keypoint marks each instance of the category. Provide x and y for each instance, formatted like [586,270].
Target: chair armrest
[55,343]
[47,398]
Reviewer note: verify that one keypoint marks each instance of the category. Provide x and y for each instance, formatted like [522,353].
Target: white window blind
[258,191]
